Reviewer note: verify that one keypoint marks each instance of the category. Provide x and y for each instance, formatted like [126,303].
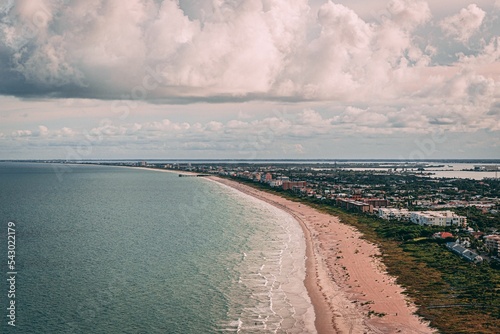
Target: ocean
[104,249]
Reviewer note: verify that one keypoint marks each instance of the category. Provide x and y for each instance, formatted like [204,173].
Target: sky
[249,79]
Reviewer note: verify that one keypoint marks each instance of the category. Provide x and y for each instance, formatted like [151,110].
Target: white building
[493,243]
[391,213]
[276,183]
[437,218]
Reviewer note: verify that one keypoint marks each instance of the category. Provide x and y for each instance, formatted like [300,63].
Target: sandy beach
[348,285]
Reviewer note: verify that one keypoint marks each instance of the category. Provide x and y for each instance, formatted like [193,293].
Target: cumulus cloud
[310,131]
[227,50]
[43,133]
[352,60]
[21,133]
[238,49]
[43,130]
[464,24]
[304,125]
[409,14]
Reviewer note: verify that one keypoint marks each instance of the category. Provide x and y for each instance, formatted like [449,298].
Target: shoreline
[322,321]
[347,284]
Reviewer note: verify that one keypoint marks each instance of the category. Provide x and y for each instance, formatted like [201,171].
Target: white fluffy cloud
[308,132]
[408,13]
[464,24]
[239,49]
[272,49]
[305,124]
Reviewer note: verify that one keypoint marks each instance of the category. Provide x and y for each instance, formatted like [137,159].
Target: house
[464,252]
[442,235]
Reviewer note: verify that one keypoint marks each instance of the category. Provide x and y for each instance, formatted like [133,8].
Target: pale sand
[345,280]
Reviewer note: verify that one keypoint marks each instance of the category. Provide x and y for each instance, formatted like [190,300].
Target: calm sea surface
[118,250]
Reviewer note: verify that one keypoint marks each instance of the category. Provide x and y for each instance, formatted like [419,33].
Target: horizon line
[258,160]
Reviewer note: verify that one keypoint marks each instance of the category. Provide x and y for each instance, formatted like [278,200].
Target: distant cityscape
[466,210]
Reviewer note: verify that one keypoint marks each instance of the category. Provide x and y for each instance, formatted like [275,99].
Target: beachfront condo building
[437,218]
[492,242]
[394,214]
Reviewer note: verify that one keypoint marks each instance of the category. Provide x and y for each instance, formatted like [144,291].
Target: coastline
[347,284]
[315,297]
[349,287]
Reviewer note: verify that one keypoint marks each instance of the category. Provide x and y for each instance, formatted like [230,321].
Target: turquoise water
[119,250]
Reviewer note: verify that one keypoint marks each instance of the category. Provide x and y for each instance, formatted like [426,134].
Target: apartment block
[394,214]
[493,243]
[437,218]
[289,185]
